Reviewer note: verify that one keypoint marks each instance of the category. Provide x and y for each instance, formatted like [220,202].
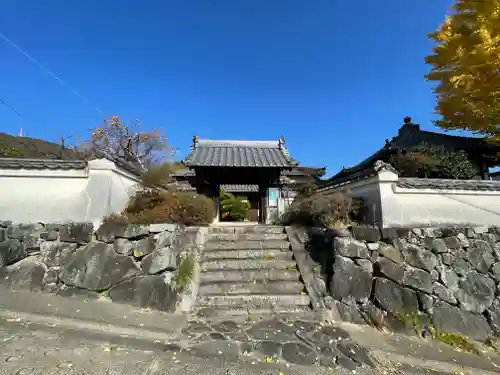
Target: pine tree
[466,67]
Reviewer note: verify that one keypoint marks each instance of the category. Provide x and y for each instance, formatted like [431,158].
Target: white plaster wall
[369,191]
[38,195]
[108,189]
[56,196]
[437,208]
[393,206]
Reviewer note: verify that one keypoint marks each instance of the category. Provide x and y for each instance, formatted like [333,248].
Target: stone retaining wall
[449,277]
[131,264]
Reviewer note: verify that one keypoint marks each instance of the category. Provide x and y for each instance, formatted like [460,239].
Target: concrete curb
[96,330]
[431,365]
[387,354]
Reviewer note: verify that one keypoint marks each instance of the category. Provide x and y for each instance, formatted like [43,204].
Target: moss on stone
[458,341]
[410,319]
[413,320]
[104,294]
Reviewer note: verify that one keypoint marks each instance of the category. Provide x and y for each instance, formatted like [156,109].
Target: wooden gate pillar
[263,204]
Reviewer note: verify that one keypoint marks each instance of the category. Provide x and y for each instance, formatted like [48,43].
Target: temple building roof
[230,153]
[409,137]
[306,171]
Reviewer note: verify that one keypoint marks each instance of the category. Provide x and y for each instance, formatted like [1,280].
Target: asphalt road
[28,349]
[50,335]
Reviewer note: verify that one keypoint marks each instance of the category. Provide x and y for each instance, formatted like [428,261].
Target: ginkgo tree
[465,65]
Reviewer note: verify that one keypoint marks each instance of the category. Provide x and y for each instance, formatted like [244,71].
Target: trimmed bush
[115,219]
[326,211]
[160,175]
[156,176]
[155,206]
[195,209]
[143,200]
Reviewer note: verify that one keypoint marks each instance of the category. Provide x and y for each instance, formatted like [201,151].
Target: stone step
[246,229]
[246,254]
[225,313]
[252,287]
[246,236]
[249,275]
[246,245]
[242,264]
[255,300]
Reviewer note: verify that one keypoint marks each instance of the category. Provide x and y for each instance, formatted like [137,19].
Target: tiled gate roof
[212,153]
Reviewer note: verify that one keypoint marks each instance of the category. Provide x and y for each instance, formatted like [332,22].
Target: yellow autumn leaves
[465,65]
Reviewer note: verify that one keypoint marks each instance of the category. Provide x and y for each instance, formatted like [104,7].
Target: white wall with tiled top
[61,195]
[408,207]
[391,205]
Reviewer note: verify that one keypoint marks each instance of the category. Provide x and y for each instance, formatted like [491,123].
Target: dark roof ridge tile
[448,184]
[24,163]
[262,154]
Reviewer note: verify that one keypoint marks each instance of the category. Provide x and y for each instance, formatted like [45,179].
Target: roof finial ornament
[281,142]
[195,143]
[407,120]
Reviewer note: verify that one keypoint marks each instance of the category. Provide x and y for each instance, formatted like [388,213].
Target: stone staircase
[249,269]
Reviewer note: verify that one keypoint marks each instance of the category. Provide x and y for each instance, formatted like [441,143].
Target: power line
[74,135]
[73,90]
[12,109]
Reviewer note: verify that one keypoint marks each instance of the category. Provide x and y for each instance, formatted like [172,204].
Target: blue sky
[334,77]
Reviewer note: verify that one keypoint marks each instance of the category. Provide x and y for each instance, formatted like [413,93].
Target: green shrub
[233,208]
[327,211]
[434,162]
